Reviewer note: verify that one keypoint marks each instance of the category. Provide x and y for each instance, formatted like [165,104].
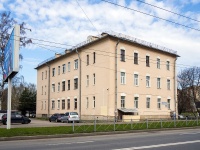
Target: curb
[88,134]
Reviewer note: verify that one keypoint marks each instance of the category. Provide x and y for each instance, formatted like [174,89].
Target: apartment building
[107,76]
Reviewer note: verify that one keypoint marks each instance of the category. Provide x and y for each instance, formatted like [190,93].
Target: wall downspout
[175,89]
[116,113]
[48,90]
[79,80]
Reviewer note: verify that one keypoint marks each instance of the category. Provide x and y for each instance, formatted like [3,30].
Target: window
[159,103]
[94,101]
[53,87]
[147,61]
[63,86]
[158,83]
[42,90]
[167,65]
[122,101]
[45,74]
[87,102]
[135,58]
[42,75]
[68,85]
[168,103]
[123,77]
[94,79]
[45,105]
[136,102]
[94,57]
[87,80]
[42,106]
[63,104]
[69,67]
[76,64]
[58,104]
[58,86]
[53,72]
[53,105]
[87,59]
[64,68]
[75,103]
[58,70]
[147,81]
[148,102]
[76,83]
[168,84]
[68,103]
[122,55]
[136,80]
[158,63]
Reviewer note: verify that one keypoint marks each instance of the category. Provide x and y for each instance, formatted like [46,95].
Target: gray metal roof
[116,35]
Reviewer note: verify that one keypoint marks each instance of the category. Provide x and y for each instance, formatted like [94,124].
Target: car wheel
[49,120]
[5,123]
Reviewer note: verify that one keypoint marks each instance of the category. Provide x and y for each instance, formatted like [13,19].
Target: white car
[70,117]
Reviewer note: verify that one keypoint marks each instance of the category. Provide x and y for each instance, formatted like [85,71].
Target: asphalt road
[187,139]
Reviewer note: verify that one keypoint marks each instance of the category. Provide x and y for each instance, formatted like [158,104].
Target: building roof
[120,36]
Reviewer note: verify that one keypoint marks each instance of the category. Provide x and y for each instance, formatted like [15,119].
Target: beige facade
[116,75]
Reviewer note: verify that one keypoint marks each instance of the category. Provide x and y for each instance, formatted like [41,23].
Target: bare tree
[188,89]
[6,24]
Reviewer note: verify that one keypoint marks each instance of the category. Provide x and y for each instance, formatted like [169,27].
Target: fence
[125,125]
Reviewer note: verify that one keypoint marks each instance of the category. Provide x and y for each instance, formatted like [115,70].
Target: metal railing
[86,126]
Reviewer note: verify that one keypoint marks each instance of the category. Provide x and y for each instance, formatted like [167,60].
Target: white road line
[159,145]
[54,144]
[190,133]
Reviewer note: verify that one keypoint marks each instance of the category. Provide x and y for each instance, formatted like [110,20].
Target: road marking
[189,133]
[54,144]
[160,145]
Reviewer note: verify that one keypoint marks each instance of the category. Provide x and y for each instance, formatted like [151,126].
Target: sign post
[11,65]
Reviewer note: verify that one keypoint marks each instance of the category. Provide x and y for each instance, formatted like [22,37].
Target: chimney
[57,55]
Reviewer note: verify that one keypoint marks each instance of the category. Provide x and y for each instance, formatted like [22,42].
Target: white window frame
[75,103]
[158,83]
[168,103]
[53,104]
[168,65]
[123,101]
[53,87]
[87,80]
[148,102]
[136,102]
[123,59]
[148,80]
[58,86]
[76,64]
[159,103]
[63,100]
[137,58]
[158,63]
[136,79]
[123,77]
[94,78]
[63,68]
[58,70]
[68,103]
[68,66]
[94,101]
[168,84]
[53,72]
[87,102]
[58,104]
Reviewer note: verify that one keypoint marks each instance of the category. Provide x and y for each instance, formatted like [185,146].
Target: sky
[69,22]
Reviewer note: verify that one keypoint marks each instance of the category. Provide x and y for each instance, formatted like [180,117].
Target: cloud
[64,22]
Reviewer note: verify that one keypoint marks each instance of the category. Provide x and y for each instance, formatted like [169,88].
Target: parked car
[16,118]
[56,117]
[181,117]
[2,112]
[70,117]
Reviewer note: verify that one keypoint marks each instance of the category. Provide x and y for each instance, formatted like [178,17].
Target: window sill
[148,87]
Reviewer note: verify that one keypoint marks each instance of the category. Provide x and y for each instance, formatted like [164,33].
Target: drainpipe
[116,80]
[175,88]
[48,115]
[79,79]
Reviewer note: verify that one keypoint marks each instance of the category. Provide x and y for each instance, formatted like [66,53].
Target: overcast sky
[64,22]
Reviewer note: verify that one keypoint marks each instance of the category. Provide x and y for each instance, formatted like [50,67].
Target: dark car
[16,118]
[56,117]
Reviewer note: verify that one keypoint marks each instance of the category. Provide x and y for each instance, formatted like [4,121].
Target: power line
[150,15]
[87,17]
[167,10]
